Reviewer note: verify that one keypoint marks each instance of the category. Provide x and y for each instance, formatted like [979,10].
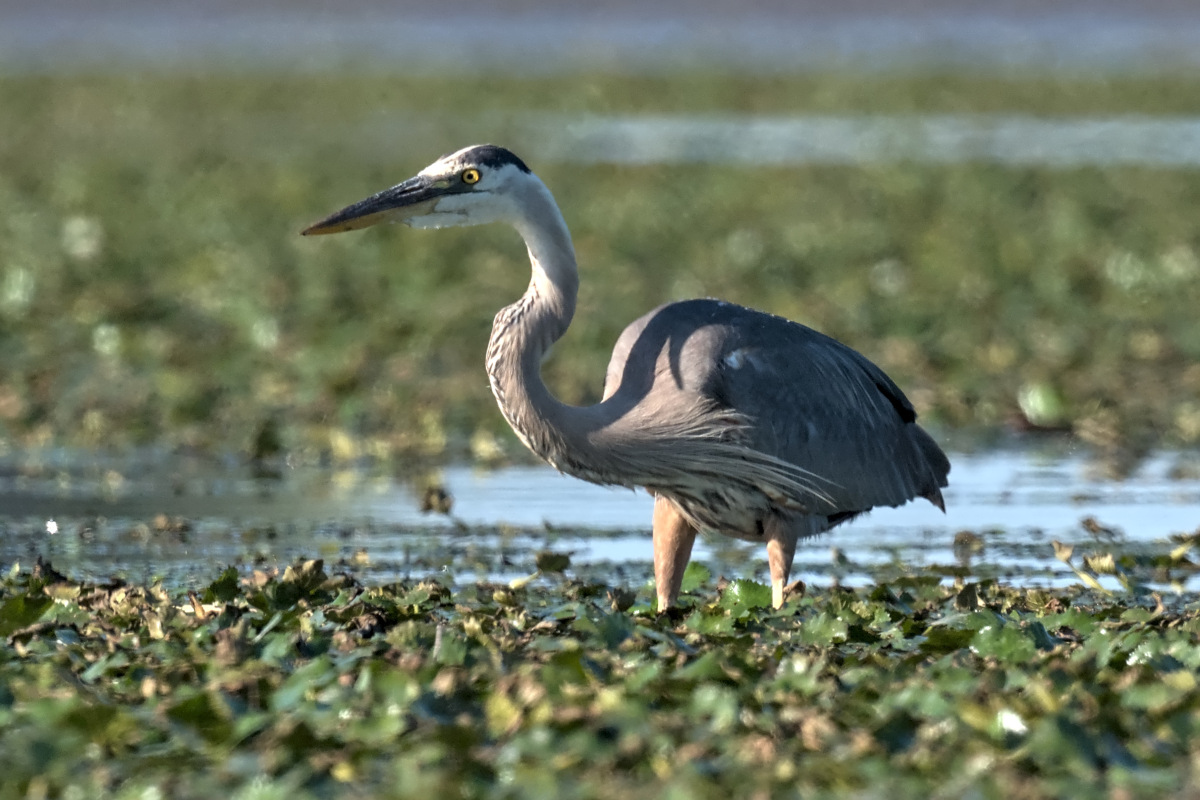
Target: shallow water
[183,520]
[1009,139]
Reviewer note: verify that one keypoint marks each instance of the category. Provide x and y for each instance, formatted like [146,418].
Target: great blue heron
[737,421]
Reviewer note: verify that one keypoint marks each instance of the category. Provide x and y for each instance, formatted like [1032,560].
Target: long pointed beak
[391,205]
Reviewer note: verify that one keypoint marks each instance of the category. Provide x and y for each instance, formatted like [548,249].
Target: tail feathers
[939,466]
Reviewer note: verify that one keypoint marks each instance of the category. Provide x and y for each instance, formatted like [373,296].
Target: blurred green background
[154,288]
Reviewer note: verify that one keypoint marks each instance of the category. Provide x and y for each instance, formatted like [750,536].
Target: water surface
[185,519]
[1008,139]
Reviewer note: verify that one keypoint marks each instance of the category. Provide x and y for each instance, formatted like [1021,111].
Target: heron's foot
[672,614]
[780,594]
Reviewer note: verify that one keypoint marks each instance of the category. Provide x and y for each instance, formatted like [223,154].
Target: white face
[474,186]
[487,199]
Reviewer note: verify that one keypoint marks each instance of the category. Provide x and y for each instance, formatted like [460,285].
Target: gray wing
[811,400]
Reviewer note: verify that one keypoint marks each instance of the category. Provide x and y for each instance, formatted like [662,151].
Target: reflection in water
[184,521]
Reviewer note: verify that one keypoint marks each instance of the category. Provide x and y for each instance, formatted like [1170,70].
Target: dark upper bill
[391,205]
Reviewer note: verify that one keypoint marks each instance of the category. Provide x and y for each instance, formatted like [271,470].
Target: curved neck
[664,445]
[525,330]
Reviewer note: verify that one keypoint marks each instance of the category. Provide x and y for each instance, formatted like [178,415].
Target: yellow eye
[470,176]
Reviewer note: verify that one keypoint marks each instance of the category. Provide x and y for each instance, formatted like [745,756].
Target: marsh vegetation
[154,292]
[154,289]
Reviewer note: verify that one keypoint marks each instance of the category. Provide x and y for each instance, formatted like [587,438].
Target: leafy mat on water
[305,684]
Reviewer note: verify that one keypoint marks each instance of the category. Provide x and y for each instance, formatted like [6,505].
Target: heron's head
[477,184]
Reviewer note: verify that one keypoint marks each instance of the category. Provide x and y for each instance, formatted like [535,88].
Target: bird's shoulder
[739,353]
[688,337]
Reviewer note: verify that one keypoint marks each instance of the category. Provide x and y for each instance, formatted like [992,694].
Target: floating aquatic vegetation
[309,683]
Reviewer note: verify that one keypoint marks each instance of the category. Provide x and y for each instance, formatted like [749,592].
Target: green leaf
[503,715]
[450,647]
[705,668]
[946,640]
[823,629]
[565,667]
[718,705]
[615,629]
[743,595]
[695,575]
[201,712]
[1137,615]
[395,690]
[115,660]
[309,678]
[1041,637]
[22,611]
[1008,643]
[224,588]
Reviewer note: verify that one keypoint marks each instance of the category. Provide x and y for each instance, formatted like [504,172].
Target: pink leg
[781,549]
[673,539]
